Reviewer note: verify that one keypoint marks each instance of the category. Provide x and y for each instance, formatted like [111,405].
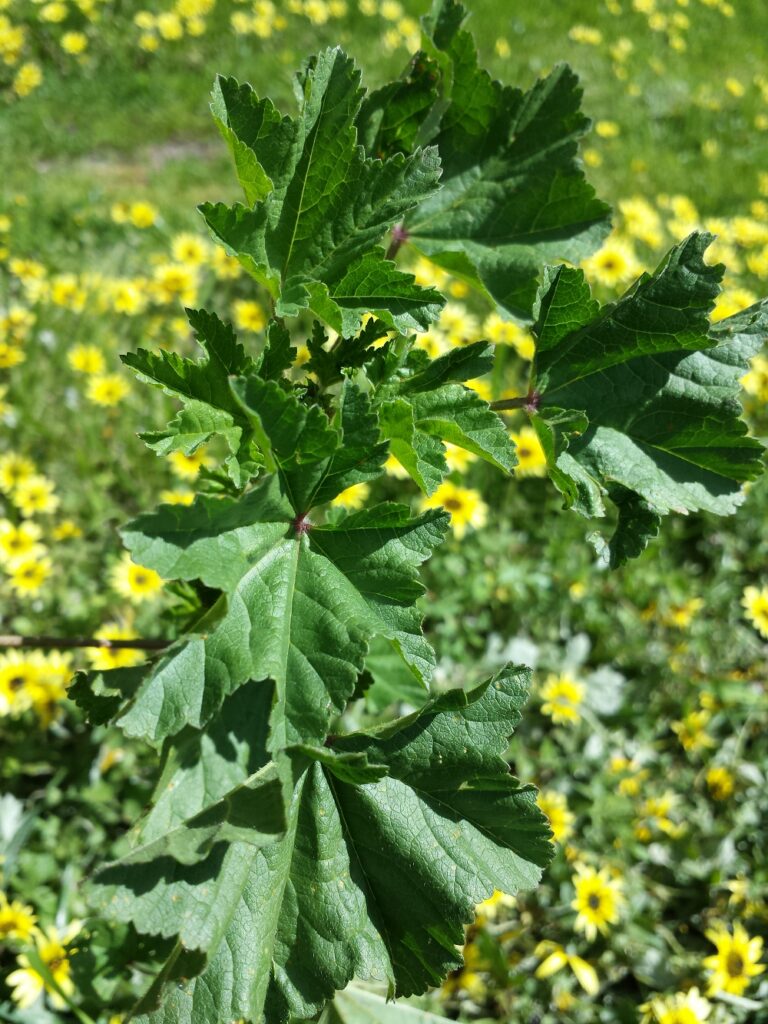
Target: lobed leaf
[318,204]
[301,605]
[373,879]
[513,193]
[659,388]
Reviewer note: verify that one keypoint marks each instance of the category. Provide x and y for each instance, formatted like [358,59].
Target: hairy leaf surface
[301,605]
[203,386]
[514,195]
[318,204]
[373,879]
[659,388]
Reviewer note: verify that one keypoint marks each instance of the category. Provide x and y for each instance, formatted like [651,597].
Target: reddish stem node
[302,524]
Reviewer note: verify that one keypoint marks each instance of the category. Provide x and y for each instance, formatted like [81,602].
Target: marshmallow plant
[283,858]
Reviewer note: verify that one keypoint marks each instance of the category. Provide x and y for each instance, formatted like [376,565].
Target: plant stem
[399,235]
[529,402]
[510,403]
[79,641]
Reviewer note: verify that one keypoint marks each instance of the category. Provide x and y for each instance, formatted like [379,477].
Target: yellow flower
[22,541]
[17,921]
[458,324]
[26,270]
[654,816]
[691,730]
[67,292]
[67,530]
[586,35]
[353,497]
[736,960]
[27,79]
[35,494]
[225,267]
[49,687]
[501,331]
[720,782]
[598,900]
[135,582]
[55,11]
[562,696]
[249,316]
[641,221]
[177,497]
[732,300]
[457,458]
[105,658]
[465,505]
[189,248]
[142,215]
[494,906]
[175,282]
[18,673]
[555,807]
[613,264]
[396,468]
[27,575]
[107,389]
[682,615]
[148,42]
[681,1008]
[734,87]
[74,42]
[433,342]
[480,387]
[188,466]
[13,470]
[429,275]
[10,355]
[86,359]
[531,460]
[128,296]
[755,601]
[17,323]
[607,129]
[51,946]
[556,958]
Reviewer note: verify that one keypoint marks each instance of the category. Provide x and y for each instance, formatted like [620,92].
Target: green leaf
[359,457]
[319,205]
[459,364]
[328,364]
[251,813]
[356,1006]
[192,426]
[514,195]
[638,524]
[650,375]
[286,430]
[278,354]
[420,453]
[391,117]
[417,422]
[301,605]
[100,694]
[375,284]
[391,681]
[203,386]
[372,880]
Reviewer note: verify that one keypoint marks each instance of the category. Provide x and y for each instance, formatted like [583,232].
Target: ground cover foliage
[335,792]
